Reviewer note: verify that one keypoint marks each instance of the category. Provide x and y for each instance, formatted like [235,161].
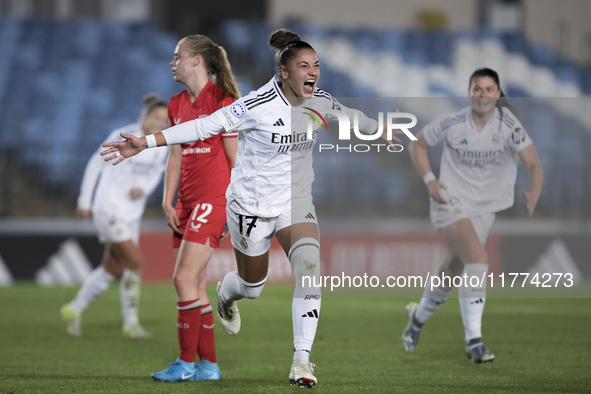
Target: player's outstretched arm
[418,155]
[130,146]
[530,159]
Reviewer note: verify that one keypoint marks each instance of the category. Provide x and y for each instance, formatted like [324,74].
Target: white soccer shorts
[442,215]
[252,235]
[114,230]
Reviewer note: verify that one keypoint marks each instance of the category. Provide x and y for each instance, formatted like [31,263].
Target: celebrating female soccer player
[202,169]
[117,210]
[478,172]
[270,190]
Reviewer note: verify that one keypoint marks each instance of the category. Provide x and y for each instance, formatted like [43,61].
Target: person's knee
[182,281]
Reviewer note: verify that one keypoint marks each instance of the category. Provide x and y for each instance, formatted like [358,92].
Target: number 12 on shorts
[196,221]
[250,224]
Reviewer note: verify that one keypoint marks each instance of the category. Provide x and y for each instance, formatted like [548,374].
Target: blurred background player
[117,208]
[477,179]
[201,172]
[270,191]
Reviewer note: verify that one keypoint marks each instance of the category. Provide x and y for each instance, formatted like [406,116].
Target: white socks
[472,299]
[234,288]
[129,290]
[431,300]
[304,257]
[94,285]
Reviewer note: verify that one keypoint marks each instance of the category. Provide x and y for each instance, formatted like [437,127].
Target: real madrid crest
[496,138]
[243,243]
[458,210]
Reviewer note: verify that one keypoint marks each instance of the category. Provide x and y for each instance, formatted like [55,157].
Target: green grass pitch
[541,346]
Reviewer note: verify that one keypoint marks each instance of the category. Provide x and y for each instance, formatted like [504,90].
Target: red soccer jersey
[205,172]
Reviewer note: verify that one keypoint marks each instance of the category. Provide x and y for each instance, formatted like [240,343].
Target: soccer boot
[206,370]
[135,331]
[228,315]
[410,335]
[178,371]
[302,374]
[72,319]
[478,353]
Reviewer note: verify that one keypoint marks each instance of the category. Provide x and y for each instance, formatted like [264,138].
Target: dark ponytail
[287,44]
[503,101]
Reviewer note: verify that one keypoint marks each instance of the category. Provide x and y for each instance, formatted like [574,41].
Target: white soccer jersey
[274,158]
[112,194]
[479,168]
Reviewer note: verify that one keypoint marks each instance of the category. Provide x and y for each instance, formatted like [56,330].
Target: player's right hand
[83,213]
[434,188]
[124,149]
[172,219]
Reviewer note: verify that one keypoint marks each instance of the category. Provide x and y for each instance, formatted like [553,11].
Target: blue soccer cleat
[206,370]
[178,371]
[410,335]
[478,353]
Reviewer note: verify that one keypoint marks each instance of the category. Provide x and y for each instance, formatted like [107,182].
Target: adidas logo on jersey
[310,216]
[464,142]
[312,313]
[279,123]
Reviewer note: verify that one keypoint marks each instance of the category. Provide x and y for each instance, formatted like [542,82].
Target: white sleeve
[519,139]
[230,119]
[366,124]
[433,132]
[93,169]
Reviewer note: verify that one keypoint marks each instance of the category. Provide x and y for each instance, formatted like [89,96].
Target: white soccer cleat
[228,315]
[72,319]
[135,331]
[302,374]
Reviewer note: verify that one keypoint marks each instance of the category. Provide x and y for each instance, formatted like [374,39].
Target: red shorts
[201,222]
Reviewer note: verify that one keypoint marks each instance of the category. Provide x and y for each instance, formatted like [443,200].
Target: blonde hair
[216,62]
[151,102]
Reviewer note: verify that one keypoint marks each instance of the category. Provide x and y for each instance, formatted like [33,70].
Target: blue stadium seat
[542,55]
[391,40]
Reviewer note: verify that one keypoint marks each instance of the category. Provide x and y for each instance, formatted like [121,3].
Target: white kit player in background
[118,205]
[270,189]
[477,179]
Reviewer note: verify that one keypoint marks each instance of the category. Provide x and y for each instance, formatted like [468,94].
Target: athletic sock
[301,355]
[206,346]
[472,299]
[188,325]
[94,285]
[234,288]
[432,299]
[304,257]
[129,291]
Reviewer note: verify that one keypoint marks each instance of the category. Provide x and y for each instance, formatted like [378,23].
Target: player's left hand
[136,193]
[121,150]
[225,234]
[530,202]
[384,135]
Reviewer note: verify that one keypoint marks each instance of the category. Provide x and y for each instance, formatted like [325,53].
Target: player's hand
[131,146]
[136,193]
[384,135]
[434,187]
[225,234]
[83,213]
[172,219]
[531,201]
